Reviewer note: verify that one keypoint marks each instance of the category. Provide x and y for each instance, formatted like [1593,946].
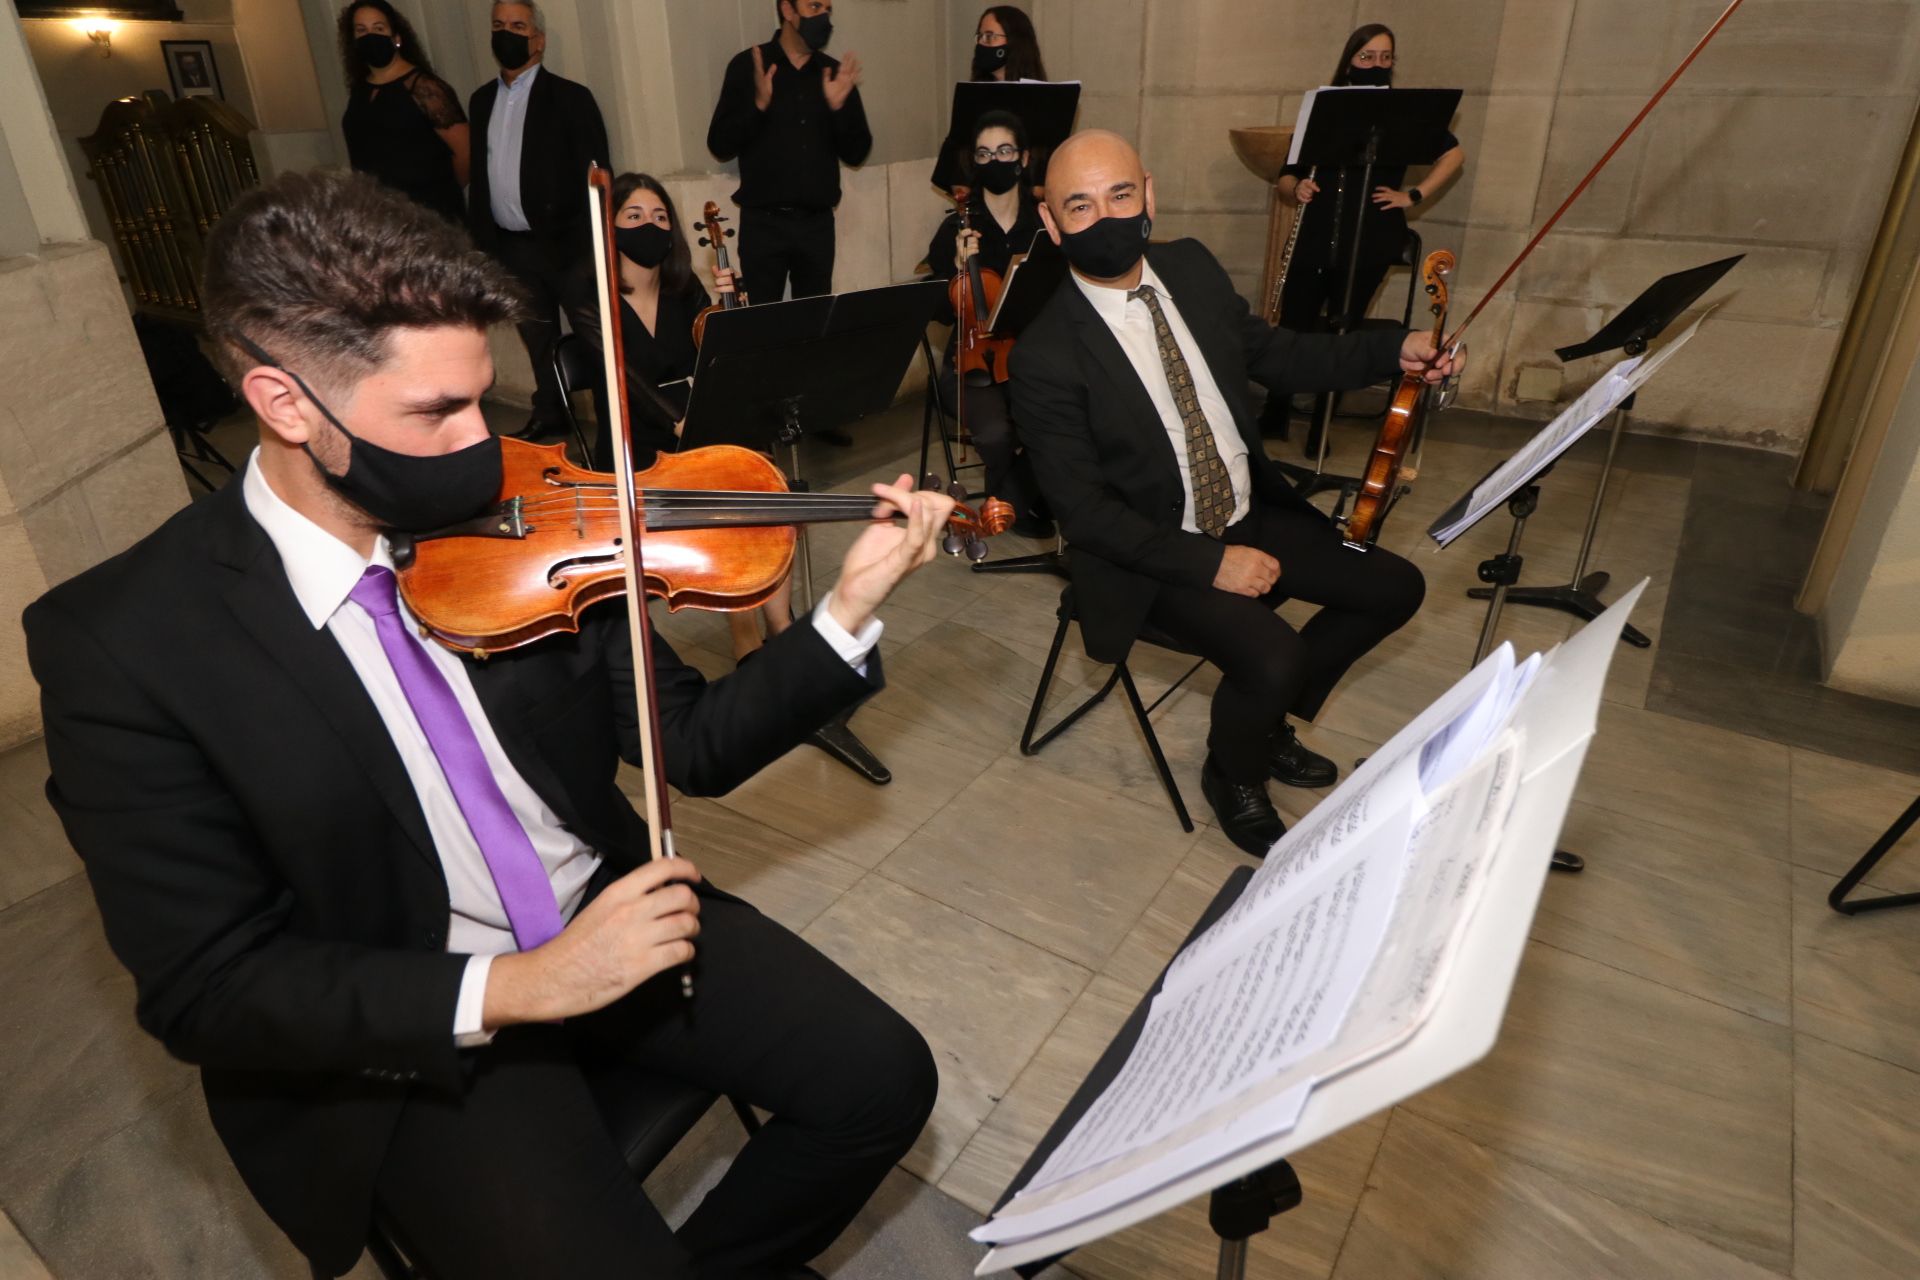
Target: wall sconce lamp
[100,32]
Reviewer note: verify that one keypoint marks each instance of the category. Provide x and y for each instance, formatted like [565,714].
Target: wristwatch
[1413,194]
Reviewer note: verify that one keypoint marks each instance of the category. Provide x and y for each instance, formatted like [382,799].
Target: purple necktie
[518,873]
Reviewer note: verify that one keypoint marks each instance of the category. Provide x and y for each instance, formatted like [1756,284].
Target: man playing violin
[1129,390]
[388,897]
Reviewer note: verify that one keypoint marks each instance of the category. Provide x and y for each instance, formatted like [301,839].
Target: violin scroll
[968,529]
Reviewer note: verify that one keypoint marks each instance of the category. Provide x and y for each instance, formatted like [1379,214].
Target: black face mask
[998,176]
[1372,77]
[375,49]
[402,491]
[648,244]
[1109,247]
[817,30]
[511,49]
[987,59]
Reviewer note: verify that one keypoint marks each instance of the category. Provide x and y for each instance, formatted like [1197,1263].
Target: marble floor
[1703,1072]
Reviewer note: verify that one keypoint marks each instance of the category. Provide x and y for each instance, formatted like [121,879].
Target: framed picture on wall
[191,68]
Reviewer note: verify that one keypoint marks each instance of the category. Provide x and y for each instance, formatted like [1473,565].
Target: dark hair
[1355,43]
[1023,46]
[676,273]
[410,47]
[318,267]
[1012,124]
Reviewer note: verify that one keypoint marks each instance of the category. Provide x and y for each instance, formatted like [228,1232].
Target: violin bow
[658,806]
[1453,341]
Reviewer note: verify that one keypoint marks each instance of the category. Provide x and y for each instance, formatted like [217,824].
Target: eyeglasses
[1005,151]
[1371,58]
[991,38]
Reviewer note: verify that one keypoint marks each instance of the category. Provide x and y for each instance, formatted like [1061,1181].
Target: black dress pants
[518,1178]
[782,245]
[557,276]
[1009,473]
[1267,669]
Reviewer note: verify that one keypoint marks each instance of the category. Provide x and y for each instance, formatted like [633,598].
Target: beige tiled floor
[1703,1073]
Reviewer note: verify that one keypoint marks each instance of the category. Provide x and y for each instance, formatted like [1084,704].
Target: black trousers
[1268,670]
[782,245]
[557,277]
[1009,472]
[518,1177]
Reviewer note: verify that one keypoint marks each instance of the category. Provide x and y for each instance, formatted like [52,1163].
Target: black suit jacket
[563,135]
[1103,456]
[260,858]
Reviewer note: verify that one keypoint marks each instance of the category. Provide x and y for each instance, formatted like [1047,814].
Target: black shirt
[790,154]
[997,244]
[390,131]
[665,354]
[1384,230]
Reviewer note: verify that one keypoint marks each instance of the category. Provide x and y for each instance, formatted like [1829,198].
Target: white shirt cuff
[852,649]
[469,1010]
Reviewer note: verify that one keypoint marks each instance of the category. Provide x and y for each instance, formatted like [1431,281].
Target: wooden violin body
[526,570]
[1387,463]
[720,531]
[974,293]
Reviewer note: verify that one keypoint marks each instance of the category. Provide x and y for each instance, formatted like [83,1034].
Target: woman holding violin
[997,219]
[661,297]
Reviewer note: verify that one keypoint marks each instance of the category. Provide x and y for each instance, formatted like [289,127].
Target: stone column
[86,466]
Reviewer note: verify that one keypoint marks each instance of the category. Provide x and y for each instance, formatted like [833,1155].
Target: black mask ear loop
[259,353]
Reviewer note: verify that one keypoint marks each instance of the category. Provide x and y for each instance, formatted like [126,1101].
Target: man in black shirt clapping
[791,114]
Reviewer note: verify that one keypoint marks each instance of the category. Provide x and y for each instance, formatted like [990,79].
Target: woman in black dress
[1316,284]
[403,123]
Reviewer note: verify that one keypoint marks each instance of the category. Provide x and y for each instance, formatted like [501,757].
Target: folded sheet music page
[1334,955]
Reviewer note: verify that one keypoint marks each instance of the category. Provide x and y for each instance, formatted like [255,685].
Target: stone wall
[1780,144]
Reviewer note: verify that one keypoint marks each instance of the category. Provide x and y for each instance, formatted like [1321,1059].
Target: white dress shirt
[323,572]
[506,130]
[1132,326]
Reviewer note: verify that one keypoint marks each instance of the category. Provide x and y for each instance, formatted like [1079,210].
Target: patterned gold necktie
[1212,486]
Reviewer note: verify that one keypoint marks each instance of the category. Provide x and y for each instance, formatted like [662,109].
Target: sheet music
[1336,955]
[1586,412]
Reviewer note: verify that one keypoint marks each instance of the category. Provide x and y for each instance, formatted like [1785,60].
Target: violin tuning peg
[957,491]
[952,545]
[930,482]
[976,550]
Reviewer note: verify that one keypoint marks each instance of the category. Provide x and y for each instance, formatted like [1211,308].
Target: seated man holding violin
[1129,390]
[388,897]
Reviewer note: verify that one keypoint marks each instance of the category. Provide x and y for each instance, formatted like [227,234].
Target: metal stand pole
[1581,596]
[1241,1210]
[1502,571]
[834,738]
[1892,836]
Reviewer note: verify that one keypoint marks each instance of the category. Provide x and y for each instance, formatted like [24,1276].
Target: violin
[715,237]
[1404,424]
[720,525]
[974,294]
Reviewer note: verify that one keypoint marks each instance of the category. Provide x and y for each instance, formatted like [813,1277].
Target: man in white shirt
[1129,391]
[390,898]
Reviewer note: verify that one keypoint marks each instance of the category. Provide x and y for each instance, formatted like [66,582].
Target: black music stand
[1046,107]
[1030,285]
[1639,322]
[1351,127]
[768,374]
[1238,1210]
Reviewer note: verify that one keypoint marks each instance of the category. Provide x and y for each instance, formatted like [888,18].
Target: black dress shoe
[1296,766]
[1245,811]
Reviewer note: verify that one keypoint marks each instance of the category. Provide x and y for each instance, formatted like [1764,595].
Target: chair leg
[748,1120]
[1029,745]
[1838,899]
[1153,745]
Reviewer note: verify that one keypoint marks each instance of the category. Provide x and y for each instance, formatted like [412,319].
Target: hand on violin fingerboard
[882,557]
[724,280]
[964,247]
